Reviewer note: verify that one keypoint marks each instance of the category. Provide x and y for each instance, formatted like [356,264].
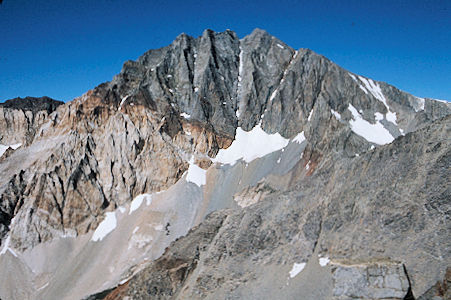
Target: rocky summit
[227,168]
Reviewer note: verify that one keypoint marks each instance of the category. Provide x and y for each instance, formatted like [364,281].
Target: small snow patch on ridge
[280,46]
[310,115]
[3,148]
[15,146]
[136,203]
[353,77]
[297,268]
[378,116]
[336,114]
[105,227]
[443,101]
[299,138]
[122,101]
[323,261]
[196,174]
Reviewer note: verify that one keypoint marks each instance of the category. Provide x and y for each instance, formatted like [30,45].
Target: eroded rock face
[373,281]
[21,117]
[363,237]
[179,105]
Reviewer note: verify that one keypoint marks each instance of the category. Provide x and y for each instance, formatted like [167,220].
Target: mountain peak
[242,156]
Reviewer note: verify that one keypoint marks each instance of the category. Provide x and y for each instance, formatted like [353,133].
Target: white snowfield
[375,133]
[373,88]
[299,138]
[196,174]
[3,148]
[185,115]
[296,269]
[249,145]
[324,261]
[136,203]
[7,248]
[105,227]
[122,101]
[376,91]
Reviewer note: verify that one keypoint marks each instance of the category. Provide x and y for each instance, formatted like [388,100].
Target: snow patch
[196,174]
[44,286]
[297,268]
[375,133]
[15,146]
[310,115]
[443,101]
[185,115]
[105,227]
[240,68]
[122,101]
[3,148]
[391,117]
[336,114]
[135,230]
[6,245]
[299,138]
[353,77]
[249,145]
[273,95]
[378,116]
[280,46]
[136,203]
[121,209]
[363,89]
[323,261]
[376,91]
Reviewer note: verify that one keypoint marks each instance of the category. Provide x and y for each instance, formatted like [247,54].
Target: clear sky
[62,48]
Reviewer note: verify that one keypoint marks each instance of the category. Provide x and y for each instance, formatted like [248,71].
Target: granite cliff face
[276,157]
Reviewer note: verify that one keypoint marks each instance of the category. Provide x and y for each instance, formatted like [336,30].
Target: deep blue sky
[63,48]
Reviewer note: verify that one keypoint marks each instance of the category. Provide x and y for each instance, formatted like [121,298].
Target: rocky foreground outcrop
[359,179]
[356,238]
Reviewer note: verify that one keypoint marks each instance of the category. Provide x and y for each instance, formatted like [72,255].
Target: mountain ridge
[163,118]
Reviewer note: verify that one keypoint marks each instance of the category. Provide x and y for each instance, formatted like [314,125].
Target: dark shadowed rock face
[368,187]
[32,104]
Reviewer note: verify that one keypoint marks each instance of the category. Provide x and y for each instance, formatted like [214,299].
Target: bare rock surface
[358,246]
[360,175]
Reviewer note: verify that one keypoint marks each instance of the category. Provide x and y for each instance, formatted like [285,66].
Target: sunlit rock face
[223,168]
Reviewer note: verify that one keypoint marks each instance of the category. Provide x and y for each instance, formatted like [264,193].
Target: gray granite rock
[348,196]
